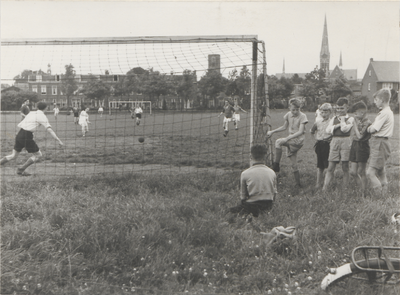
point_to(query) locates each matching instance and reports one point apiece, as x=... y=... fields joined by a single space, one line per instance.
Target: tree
x=97 y=89
x=186 y=87
x=12 y=100
x=338 y=88
x=68 y=83
x=314 y=86
x=211 y=84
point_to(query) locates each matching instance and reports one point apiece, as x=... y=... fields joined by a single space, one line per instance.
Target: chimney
x=371 y=59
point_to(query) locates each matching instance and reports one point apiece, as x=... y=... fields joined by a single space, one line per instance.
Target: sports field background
x=174 y=142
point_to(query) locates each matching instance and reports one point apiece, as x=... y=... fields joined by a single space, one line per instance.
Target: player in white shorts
x=101 y=111
x=236 y=114
x=228 y=112
x=84 y=121
x=137 y=112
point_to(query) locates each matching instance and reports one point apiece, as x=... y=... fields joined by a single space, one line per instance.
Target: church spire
x=340 y=61
x=283 y=70
x=324 y=54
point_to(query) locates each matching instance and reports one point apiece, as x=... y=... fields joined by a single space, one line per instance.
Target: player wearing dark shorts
x=75 y=110
x=24 y=138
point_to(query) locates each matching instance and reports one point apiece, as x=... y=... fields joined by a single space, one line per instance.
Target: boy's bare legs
x=363 y=177
x=293 y=159
x=329 y=174
x=354 y=173
x=346 y=175
x=375 y=182
x=383 y=179
x=320 y=178
x=6 y=159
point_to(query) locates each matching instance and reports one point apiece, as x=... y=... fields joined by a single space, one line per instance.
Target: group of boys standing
x=339 y=138
x=231 y=113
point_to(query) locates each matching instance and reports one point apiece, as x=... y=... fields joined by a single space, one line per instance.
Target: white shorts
x=227 y=120
x=236 y=117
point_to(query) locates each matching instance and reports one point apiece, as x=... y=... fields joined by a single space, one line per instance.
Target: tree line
x=314 y=88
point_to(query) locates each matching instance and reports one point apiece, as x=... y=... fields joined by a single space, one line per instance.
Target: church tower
x=340 y=61
x=325 y=55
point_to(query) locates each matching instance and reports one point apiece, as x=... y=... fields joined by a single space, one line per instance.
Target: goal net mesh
x=180 y=84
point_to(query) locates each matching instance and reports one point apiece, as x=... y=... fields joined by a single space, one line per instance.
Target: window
x=34 y=88
x=387 y=85
x=115 y=78
x=54 y=90
x=369 y=86
x=57 y=77
x=38 y=78
x=43 y=89
x=370 y=72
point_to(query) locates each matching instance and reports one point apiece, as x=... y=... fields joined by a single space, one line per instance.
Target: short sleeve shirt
x=83 y=117
x=138 y=111
x=320 y=133
x=33 y=120
x=384 y=123
x=295 y=122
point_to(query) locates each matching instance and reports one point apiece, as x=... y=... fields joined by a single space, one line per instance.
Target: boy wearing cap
x=381 y=129
x=359 y=151
x=340 y=127
x=323 y=138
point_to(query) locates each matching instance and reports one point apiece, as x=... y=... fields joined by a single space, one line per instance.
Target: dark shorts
x=138 y=116
x=76 y=115
x=359 y=151
x=321 y=148
x=25 y=140
x=254 y=208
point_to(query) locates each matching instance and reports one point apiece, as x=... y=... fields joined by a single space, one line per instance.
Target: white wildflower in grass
x=170 y=242
x=205 y=274
x=143 y=237
x=210 y=283
x=319 y=257
x=133 y=289
x=296 y=284
x=305 y=270
x=225 y=276
x=24 y=288
x=286 y=286
x=310 y=262
x=289 y=293
x=269 y=292
x=190 y=269
x=274 y=281
x=142 y=258
x=309 y=278
x=319 y=252
x=298 y=288
x=39 y=286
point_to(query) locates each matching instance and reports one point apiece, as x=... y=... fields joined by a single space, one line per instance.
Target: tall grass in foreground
x=170 y=234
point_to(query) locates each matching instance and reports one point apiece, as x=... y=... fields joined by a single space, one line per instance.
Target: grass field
x=168 y=233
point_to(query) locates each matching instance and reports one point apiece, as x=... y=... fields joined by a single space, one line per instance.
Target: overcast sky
x=291 y=30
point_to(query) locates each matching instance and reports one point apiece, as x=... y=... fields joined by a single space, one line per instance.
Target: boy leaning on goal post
x=381 y=130
x=295 y=120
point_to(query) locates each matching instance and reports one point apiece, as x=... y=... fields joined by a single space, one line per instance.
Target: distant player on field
x=56 y=111
x=236 y=114
x=101 y=111
x=75 y=110
x=84 y=121
x=24 y=138
x=228 y=112
x=137 y=114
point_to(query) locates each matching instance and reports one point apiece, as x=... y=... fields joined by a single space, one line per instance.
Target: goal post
x=173 y=77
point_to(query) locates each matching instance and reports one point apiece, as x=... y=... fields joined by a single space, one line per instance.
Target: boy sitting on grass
x=359 y=151
x=296 y=121
x=257 y=185
x=323 y=138
x=339 y=151
x=381 y=129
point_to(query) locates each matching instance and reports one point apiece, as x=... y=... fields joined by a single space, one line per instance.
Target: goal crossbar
x=129 y=40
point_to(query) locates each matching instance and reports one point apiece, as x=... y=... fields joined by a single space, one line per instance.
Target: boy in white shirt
x=84 y=121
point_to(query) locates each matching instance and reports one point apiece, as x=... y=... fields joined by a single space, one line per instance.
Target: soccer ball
x=141 y=139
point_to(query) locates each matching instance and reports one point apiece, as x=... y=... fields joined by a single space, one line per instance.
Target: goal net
x=180 y=83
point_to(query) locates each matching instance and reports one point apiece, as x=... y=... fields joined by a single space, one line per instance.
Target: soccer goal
x=183 y=81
